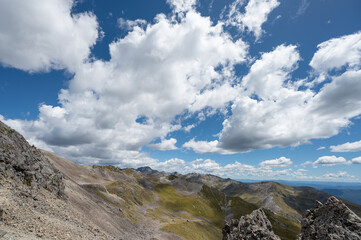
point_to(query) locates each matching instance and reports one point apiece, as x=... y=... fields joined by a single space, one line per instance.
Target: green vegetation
x=172 y=177
x=196 y=215
x=130 y=192
x=192 y=230
x=283 y=227
x=108 y=167
x=173 y=201
x=128 y=171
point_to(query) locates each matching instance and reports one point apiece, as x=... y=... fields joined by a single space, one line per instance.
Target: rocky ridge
x=26 y=164
x=332 y=220
x=250 y=227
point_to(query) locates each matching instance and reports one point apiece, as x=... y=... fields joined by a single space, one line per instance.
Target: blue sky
x=247 y=89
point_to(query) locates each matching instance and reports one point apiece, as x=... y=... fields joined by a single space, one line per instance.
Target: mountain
x=249 y=227
x=332 y=220
x=353 y=195
x=289 y=202
x=43 y=195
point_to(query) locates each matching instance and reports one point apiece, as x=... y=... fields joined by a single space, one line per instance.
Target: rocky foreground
x=250 y=227
x=330 y=221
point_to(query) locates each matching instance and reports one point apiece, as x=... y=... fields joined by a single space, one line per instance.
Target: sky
x=245 y=89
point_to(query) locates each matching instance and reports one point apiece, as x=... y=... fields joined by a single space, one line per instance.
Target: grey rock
x=331 y=221
x=250 y=227
x=26 y=164
x=2 y=233
x=146 y=170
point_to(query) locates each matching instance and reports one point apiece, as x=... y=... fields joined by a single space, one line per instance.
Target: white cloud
x=130 y=24
x=268 y=74
x=256 y=13
x=356 y=160
x=338 y=52
x=321 y=148
x=153 y=76
x=269 y=120
x=281 y=114
x=330 y=161
x=171 y=165
x=279 y=162
x=302 y=8
x=205 y=147
x=164 y=145
x=41 y=35
x=189 y=127
x=306 y=163
x=206 y=165
x=338 y=175
x=347 y=147
x=182 y=5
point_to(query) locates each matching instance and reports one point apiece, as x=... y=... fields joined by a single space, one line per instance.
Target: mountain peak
x=146 y=170
x=253 y=226
x=332 y=220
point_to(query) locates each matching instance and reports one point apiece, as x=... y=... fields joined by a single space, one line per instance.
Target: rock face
x=331 y=221
x=250 y=227
x=26 y=164
x=146 y=170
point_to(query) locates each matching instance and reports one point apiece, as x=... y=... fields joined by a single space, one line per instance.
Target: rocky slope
x=26 y=164
x=250 y=227
x=332 y=220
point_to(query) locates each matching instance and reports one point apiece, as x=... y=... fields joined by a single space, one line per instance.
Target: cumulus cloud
x=42 y=35
x=306 y=163
x=338 y=52
x=256 y=13
x=189 y=127
x=279 y=162
x=171 y=69
x=356 y=160
x=182 y=5
x=171 y=165
x=164 y=145
x=205 y=147
x=265 y=117
x=130 y=24
x=154 y=75
x=321 y=148
x=347 y=147
x=330 y=161
x=337 y=175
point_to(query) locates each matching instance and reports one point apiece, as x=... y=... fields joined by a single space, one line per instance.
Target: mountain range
x=45 y=196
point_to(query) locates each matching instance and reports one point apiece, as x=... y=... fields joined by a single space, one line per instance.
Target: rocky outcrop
x=250 y=227
x=332 y=220
x=146 y=170
x=26 y=164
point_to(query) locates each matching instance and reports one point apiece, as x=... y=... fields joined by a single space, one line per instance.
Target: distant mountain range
x=350 y=191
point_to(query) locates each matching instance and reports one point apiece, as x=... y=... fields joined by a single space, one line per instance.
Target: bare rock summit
x=331 y=221
x=250 y=227
x=26 y=164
